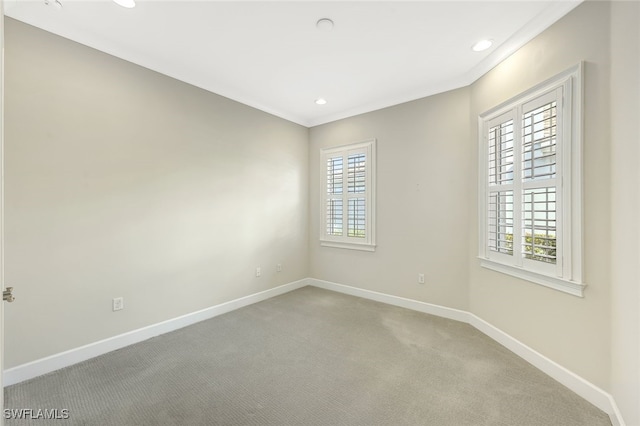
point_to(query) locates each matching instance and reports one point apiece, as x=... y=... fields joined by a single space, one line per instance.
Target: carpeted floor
x=309 y=357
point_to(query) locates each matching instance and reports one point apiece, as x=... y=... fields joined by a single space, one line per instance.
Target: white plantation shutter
x=348 y=196
x=500 y=194
x=357 y=188
x=539 y=225
x=334 y=200
x=539 y=241
x=501 y=222
x=539 y=141
x=530 y=204
x=334 y=217
x=501 y=153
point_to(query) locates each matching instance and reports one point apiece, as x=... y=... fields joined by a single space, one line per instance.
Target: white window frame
x=566 y=274
x=368 y=243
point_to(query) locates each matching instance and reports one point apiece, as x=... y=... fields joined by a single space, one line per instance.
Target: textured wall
x=123 y=182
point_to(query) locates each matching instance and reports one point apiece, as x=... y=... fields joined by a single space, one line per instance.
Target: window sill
x=349 y=246
x=566 y=286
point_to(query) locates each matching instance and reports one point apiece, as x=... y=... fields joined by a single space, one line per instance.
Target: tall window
x=348 y=191
x=530 y=197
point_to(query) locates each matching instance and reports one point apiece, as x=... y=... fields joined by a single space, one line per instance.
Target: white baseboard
x=580 y=386
x=402 y=302
x=577 y=384
x=64 y=359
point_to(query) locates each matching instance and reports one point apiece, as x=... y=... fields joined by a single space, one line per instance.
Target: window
x=530 y=185
x=348 y=191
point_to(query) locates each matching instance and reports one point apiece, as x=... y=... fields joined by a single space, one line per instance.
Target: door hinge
x=7 y=295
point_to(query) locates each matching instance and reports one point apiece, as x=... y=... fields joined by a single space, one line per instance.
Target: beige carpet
x=309 y=357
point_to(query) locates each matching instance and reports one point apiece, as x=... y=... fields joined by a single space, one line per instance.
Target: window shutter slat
x=539 y=224
x=334 y=175
x=334 y=217
x=357 y=218
x=539 y=143
x=356 y=173
x=500 y=224
x=501 y=154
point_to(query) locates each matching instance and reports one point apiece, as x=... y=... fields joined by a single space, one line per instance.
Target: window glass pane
x=501 y=222
x=357 y=217
x=334 y=175
x=539 y=224
x=501 y=154
x=334 y=217
x=356 y=174
x=539 y=143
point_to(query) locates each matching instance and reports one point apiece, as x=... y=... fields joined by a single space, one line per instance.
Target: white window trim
x=568 y=279
x=344 y=242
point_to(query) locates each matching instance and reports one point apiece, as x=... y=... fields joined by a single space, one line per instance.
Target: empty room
x=320 y=212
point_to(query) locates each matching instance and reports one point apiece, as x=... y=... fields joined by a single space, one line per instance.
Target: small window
x=530 y=185
x=348 y=191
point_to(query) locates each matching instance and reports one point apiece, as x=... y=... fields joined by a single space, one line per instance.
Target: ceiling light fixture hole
x=324 y=24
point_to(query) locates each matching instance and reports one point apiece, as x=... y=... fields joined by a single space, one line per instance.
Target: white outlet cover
x=118 y=303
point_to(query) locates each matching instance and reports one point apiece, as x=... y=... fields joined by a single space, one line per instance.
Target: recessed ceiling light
x=126 y=3
x=482 y=45
x=324 y=24
x=321 y=101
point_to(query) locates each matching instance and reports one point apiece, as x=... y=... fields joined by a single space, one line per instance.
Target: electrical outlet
x=258 y=272
x=118 y=304
x=279 y=267
x=420 y=278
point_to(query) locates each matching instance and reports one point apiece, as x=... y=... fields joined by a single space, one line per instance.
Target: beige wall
x=625 y=208
x=123 y=182
x=423 y=162
x=574 y=332
x=427 y=208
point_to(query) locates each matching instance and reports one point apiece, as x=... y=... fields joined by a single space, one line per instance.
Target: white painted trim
x=566 y=88
x=570 y=287
x=2 y=228
x=580 y=386
x=347 y=245
x=528 y=32
x=367 y=147
x=64 y=359
x=577 y=384
x=615 y=415
x=402 y=302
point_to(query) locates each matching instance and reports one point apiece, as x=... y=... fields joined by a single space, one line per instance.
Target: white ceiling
x=271 y=56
